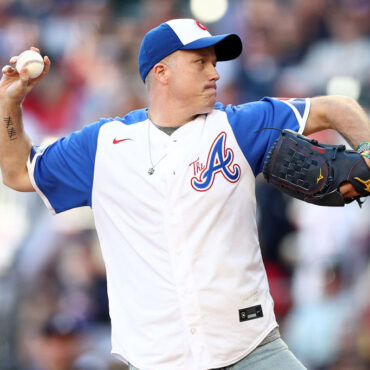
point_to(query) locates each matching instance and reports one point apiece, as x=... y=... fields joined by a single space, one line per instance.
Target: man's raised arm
x=344 y=115
x=339 y=113
x=15 y=145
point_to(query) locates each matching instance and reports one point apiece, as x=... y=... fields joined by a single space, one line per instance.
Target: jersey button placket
x=182 y=266
x=173 y=145
x=184 y=282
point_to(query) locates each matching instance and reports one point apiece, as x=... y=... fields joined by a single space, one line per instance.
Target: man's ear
x=161 y=73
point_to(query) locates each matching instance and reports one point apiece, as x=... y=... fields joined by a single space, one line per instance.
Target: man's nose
x=213 y=74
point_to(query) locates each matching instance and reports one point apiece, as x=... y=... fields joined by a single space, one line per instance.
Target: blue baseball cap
x=184 y=34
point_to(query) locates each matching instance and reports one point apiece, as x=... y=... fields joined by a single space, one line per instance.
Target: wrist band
x=364 y=145
x=367 y=155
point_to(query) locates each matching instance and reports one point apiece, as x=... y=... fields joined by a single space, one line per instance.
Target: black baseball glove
x=308 y=170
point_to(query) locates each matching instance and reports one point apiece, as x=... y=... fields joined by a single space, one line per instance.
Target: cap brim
x=227 y=46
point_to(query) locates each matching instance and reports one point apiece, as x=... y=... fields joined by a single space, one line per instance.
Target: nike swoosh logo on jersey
x=115 y=141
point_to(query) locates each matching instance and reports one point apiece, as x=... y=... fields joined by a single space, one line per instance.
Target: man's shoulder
x=267 y=103
x=135 y=116
x=231 y=109
x=92 y=130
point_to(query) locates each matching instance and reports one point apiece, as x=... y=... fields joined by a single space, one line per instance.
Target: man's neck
x=169 y=130
x=168 y=118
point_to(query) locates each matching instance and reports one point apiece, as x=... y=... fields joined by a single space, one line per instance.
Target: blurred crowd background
x=53 y=300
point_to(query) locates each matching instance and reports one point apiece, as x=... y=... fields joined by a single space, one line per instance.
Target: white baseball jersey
x=186 y=284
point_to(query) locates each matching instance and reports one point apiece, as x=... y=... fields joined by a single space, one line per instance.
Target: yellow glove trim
x=366 y=183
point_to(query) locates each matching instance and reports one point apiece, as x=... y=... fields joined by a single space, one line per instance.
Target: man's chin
x=210 y=105
x=207 y=110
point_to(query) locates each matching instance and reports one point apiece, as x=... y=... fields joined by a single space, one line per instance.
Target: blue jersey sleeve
x=63 y=172
x=251 y=122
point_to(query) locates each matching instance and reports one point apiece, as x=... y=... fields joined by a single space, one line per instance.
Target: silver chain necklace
x=151 y=169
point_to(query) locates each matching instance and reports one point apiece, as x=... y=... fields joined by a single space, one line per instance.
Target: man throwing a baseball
x=172 y=188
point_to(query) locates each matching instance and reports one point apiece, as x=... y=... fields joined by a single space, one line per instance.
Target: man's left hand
x=347 y=189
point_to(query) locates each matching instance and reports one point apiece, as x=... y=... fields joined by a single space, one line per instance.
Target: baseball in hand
x=32 y=61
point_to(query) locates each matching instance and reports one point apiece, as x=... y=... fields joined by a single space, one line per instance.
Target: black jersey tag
x=250 y=313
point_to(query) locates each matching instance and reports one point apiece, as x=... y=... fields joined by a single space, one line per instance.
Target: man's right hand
x=15 y=86
x=15 y=145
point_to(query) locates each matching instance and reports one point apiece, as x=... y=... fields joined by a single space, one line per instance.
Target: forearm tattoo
x=12 y=134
